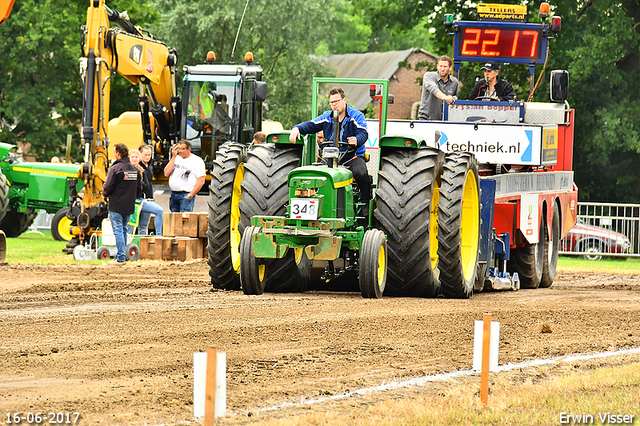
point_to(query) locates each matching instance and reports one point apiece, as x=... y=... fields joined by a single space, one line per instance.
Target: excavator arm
x=134 y=54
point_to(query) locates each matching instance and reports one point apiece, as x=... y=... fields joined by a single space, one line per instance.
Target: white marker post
x=209 y=385
x=486 y=345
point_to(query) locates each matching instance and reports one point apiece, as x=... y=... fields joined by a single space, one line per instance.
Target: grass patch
x=609 y=264
x=536 y=396
x=37 y=249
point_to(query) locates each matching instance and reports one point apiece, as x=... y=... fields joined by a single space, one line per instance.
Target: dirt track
x=116 y=343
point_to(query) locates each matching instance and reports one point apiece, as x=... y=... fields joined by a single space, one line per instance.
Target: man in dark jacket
x=122 y=187
x=353 y=129
x=492 y=87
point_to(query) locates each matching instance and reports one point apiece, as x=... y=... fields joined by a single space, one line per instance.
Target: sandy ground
x=116 y=343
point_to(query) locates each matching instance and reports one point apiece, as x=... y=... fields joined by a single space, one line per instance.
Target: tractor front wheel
x=61 y=225
x=15 y=223
x=4 y=195
x=253 y=271
x=373 y=264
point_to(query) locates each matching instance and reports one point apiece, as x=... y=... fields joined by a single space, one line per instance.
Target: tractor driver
x=353 y=129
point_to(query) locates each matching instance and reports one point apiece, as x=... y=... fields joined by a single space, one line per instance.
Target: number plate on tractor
x=304 y=208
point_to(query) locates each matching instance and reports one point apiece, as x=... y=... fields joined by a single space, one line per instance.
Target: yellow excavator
x=112 y=45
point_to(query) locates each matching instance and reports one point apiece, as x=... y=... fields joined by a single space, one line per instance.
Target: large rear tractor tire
x=373 y=264
x=224 y=228
x=551 y=251
x=14 y=224
x=528 y=261
x=265 y=193
x=459 y=225
x=292 y=273
x=4 y=195
x=61 y=225
x=406 y=211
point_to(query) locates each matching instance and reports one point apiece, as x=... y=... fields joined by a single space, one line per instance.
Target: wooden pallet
x=185 y=225
x=171 y=248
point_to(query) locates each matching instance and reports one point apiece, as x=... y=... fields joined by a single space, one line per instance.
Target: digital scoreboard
x=513 y=42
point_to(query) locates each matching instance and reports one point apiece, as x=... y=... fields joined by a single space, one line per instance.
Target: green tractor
x=27 y=187
x=416 y=215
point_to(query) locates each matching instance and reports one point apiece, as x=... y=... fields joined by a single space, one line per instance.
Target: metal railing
x=41 y=223
x=604 y=229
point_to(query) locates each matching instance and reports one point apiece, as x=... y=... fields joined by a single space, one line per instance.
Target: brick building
x=403 y=83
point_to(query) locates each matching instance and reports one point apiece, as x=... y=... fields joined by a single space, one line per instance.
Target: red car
x=593 y=241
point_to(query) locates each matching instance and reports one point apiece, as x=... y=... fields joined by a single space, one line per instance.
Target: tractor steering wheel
x=347 y=153
x=485 y=98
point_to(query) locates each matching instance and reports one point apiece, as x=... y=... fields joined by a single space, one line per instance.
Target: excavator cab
x=221 y=103
x=210 y=108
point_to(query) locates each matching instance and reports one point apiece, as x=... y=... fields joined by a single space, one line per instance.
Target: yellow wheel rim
x=382 y=266
x=470 y=225
x=64 y=228
x=298 y=252
x=234 y=226
x=433 y=225
x=261 y=272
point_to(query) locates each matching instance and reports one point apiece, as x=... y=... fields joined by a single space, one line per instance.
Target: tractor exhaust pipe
x=336 y=133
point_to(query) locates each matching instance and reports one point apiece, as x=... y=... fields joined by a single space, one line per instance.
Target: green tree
x=600 y=42
x=40 y=87
x=599 y=45
x=38 y=105
x=281 y=35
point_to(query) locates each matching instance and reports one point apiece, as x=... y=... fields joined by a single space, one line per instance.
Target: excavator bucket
x=3 y=247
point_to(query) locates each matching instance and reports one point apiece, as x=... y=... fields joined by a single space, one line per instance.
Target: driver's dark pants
x=361 y=175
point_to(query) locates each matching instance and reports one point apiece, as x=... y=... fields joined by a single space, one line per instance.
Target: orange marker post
x=484 y=372
x=210 y=387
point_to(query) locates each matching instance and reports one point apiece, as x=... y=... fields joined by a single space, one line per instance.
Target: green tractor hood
x=36 y=185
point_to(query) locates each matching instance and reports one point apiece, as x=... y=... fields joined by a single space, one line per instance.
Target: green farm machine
x=477 y=201
x=27 y=187
x=324 y=235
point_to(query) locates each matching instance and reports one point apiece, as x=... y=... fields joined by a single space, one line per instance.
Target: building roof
x=379 y=65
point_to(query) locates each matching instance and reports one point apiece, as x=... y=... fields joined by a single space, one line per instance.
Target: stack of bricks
x=184 y=237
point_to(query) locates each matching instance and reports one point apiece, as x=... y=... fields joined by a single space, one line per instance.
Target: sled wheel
x=133 y=252
x=551 y=251
x=528 y=261
x=103 y=253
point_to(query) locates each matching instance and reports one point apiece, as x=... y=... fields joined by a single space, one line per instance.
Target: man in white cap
x=492 y=88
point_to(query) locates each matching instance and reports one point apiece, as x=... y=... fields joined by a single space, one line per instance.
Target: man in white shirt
x=186 y=173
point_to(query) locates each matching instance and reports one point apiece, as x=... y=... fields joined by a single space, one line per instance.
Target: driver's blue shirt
x=354 y=124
